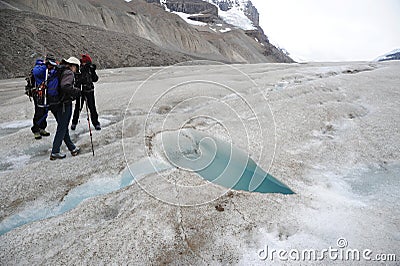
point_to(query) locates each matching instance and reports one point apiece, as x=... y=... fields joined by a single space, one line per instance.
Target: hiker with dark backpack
x=86 y=78
x=38 y=82
x=63 y=110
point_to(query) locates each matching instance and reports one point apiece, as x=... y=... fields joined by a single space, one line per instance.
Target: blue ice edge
x=218 y=162
x=213 y=159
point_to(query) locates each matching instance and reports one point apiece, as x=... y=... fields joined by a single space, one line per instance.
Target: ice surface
x=376 y=184
x=16 y=124
x=14 y=162
x=40 y=211
x=337 y=146
x=36 y=211
x=143 y=167
x=13 y=126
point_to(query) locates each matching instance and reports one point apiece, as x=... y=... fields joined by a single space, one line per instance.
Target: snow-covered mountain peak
x=392 y=55
x=239 y=13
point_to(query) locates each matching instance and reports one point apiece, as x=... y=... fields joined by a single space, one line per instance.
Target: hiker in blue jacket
x=40 y=115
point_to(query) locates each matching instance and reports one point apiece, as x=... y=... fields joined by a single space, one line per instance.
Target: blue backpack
x=46 y=89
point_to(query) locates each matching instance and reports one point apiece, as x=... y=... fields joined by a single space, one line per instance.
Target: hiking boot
x=73 y=126
x=44 y=133
x=75 y=151
x=37 y=135
x=97 y=127
x=55 y=156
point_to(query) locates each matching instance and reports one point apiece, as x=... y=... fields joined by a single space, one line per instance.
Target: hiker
x=39 y=77
x=63 y=111
x=86 y=78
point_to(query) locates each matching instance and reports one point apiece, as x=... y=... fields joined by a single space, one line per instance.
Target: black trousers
x=39 y=118
x=79 y=104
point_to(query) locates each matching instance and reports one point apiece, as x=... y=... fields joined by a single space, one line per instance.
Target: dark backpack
x=30 y=87
x=87 y=76
x=30 y=84
x=70 y=94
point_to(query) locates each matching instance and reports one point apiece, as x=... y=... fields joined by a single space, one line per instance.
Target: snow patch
x=225 y=30
x=235 y=16
x=164 y=4
x=185 y=17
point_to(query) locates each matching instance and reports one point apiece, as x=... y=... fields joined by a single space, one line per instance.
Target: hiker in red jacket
x=86 y=78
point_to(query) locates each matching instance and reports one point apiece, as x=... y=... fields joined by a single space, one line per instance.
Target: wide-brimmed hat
x=72 y=61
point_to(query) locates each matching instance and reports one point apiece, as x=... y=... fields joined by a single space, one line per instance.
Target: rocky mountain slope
x=120 y=33
x=23 y=39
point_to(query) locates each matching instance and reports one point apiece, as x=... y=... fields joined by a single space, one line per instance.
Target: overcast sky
x=336 y=30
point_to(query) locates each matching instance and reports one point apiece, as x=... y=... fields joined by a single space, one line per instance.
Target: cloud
x=332 y=31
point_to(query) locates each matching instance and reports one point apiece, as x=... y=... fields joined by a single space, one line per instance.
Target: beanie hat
x=86 y=58
x=51 y=61
x=39 y=62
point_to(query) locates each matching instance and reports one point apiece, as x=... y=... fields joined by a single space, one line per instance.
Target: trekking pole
x=45 y=87
x=45 y=82
x=88 y=119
